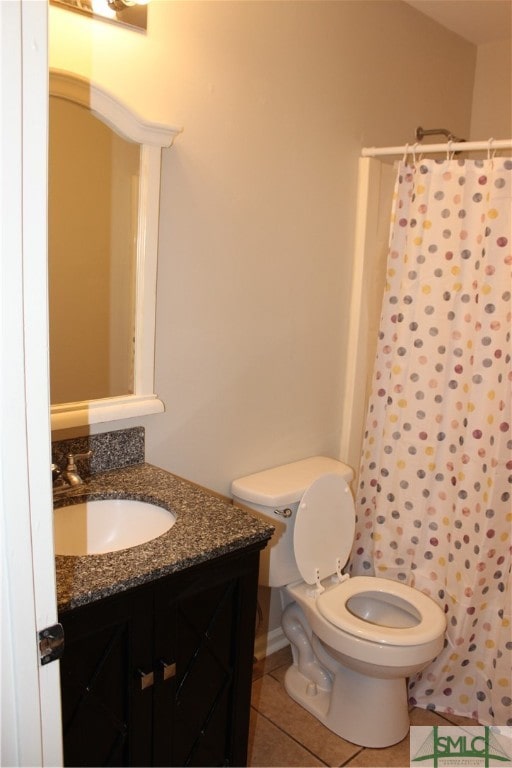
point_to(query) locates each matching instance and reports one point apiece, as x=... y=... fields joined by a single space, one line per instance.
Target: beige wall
x=258 y=201
x=491 y=116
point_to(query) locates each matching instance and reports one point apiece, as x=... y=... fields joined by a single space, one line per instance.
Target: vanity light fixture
x=128 y=13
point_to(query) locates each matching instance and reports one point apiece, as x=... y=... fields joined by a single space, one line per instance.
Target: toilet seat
x=398 y=599
x=324 y=528
x=368 y=607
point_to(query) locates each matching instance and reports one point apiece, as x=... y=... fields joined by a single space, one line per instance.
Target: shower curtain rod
x=449 y=146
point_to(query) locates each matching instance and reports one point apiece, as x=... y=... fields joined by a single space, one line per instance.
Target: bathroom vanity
x=157 y=664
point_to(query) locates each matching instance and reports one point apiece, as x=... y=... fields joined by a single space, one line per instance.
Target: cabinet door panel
x=201 y=619
x=205 y=663
x=99 y=689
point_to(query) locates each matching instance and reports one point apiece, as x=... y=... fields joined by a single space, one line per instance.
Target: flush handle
x=283 y=512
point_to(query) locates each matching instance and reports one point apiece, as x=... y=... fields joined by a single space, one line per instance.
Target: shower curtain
x=433 y=501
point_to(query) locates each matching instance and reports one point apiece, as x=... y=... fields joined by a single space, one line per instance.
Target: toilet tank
x=274 y=495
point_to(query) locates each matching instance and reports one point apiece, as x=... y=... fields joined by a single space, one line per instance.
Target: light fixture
x=129 y=13
x=121 y=5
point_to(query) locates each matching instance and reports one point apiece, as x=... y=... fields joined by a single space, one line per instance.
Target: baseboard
x=264 y=645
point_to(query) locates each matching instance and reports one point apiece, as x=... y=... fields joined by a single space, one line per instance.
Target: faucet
x=64 y=480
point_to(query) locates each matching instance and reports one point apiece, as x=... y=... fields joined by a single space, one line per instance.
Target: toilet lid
x=324 y=527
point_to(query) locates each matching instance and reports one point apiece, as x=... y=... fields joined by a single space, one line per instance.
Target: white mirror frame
x=152 y=137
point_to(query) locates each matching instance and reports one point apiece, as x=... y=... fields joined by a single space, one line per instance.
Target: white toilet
x=354 y=640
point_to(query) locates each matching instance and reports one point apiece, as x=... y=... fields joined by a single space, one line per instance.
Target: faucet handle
x=72 y=457
x=58 y=480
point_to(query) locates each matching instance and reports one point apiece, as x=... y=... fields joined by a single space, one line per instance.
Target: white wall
x=258 y=201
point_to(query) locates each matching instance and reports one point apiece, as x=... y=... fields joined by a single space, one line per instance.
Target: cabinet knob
x=168 y=670
x=146 y=679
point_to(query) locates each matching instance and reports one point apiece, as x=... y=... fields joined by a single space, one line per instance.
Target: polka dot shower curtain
x=433 y=502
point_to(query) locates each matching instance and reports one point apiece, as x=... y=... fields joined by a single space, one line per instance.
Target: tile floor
x=283 y=734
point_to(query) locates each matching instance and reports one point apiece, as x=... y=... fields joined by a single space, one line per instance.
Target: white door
x=31 y=719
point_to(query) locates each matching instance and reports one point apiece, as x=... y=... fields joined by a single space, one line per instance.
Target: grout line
x=273 y=676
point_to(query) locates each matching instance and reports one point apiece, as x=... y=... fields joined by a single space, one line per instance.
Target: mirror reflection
x=93 y=205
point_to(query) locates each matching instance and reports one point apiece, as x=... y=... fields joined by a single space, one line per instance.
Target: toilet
x=354 y=640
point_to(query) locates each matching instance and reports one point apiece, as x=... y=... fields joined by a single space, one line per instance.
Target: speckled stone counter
x=206 y=527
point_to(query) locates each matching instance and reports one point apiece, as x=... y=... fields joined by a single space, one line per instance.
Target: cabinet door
x=204 y=624
x=106 y=711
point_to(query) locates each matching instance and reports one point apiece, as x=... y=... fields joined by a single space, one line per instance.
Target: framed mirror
x=104 y=190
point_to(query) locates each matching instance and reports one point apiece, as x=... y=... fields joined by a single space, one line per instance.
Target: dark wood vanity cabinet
x=161 y=674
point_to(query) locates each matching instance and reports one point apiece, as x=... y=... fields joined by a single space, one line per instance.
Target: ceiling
x=479 y=21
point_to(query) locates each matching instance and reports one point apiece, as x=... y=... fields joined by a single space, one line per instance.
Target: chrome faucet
x=64 y=480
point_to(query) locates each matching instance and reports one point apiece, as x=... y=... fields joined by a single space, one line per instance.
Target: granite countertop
x=206 y=527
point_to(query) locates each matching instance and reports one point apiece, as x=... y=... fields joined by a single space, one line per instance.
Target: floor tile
x=425 y=717
x=285 y=734
x=397 y=755
x=269 y=747
x=457 y=719
x=272 y=701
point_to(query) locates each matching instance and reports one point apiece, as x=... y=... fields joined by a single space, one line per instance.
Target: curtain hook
x=449 y=152
x=415 y=147
x=490 y=149
x=406 y=152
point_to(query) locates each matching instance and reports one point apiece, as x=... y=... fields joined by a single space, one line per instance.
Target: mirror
x=92 y=222
x=104 y=188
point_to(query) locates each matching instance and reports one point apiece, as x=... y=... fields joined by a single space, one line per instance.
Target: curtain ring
x=406 y=152
x=415 y=147
x=449 y=152
x=490 y=149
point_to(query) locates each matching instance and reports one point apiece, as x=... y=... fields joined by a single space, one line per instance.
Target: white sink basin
x=107 y=525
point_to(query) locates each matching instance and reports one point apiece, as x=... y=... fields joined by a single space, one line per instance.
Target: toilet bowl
x=354 y=640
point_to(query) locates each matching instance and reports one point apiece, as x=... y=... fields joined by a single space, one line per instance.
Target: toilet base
x=367 y=711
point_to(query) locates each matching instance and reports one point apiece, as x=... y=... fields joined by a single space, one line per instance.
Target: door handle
x=168 y=669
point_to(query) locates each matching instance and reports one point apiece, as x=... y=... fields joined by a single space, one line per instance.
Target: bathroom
x=258 y=200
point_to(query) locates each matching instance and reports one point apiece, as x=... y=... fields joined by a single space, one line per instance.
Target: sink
x=108 y=525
